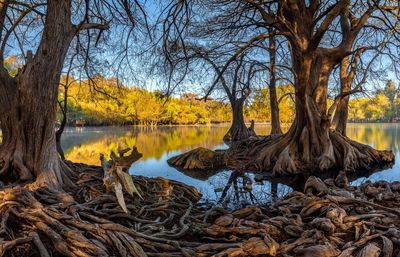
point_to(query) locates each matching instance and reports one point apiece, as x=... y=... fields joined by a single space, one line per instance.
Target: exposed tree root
x=16 y=169
x=89 y=222
x=285 y=155
x=12 y=160
x=326 y=220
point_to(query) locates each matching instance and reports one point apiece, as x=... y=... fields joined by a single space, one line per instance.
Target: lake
x=159 y=144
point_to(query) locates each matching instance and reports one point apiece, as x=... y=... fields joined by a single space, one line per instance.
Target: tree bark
x=28 y=101
x=347 y=72
x=308 y=137
x=275 y=121
x=238 y=130
x=339 y=122
x=60 y=130
x=341 y=115
x=310 y=145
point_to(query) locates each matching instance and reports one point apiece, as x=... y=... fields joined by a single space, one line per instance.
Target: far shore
x=222 y=124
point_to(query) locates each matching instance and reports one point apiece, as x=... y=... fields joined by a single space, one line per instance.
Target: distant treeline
x=107 y=103
x=382 y=106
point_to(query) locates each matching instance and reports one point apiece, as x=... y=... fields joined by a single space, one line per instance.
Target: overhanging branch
x=99 y=26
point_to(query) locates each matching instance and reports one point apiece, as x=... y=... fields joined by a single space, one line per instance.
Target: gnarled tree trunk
x=275 y=121
x=347 y=73
x=238 y=130
x=310 y=144
x=339 y=122
x=28 y=103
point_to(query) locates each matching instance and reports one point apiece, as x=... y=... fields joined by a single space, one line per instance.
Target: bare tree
x=349 y=67
x=273 y=98
x=28 y=100
x=320 y=34
x=236 y=84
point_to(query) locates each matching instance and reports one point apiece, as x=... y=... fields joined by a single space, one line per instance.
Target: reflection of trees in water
x=381 y=136
x=86 y=144
x=152 y=142
x=241 y=189
x=245 y=187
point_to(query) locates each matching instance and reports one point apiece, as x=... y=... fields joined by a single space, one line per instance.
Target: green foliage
x=377 y=108
x=108 y=103
x=260 y=110
x=383 y=106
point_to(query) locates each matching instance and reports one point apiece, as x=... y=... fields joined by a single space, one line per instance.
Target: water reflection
x=85 y=144
x=243 y=192
x=159 y=144
x=380 y=136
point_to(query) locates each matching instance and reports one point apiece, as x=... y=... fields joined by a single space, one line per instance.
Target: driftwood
x=116 y=176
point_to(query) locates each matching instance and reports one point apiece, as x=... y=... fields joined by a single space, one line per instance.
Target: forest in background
x=105 y=101
x=109 y=103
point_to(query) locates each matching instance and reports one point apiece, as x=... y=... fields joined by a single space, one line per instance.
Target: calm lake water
x=159 y=144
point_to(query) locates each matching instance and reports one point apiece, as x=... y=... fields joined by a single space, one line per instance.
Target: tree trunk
x=28 y=102
x=339 y=121
x=308 y=139
x=238 y=130
x=309 y=145
x=60 y=130
x=275 y=122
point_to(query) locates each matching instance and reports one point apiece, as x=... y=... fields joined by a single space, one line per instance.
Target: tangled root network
x=330 y=218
